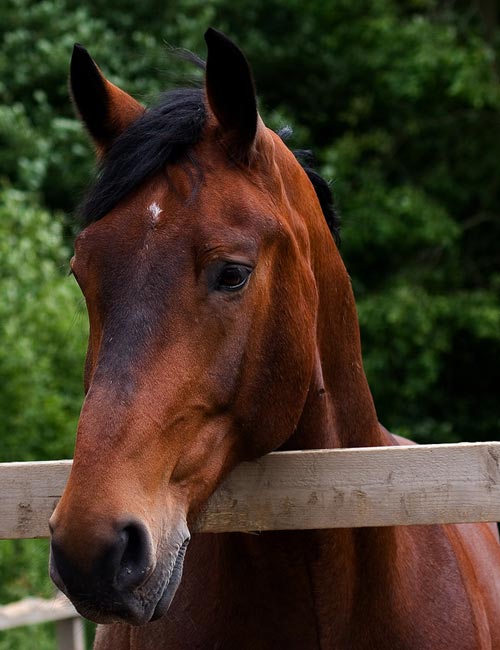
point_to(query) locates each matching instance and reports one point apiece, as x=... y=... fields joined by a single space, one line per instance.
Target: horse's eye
x=233 y=277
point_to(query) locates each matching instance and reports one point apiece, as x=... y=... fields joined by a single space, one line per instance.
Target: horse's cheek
x=289 y=360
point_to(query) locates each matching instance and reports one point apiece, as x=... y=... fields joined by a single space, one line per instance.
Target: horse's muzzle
x=127 y=581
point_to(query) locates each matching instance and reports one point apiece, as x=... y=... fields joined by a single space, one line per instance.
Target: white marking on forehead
x=155 y=211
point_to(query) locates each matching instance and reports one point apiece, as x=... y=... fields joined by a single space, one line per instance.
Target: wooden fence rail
x=378 y=486
x=30 y=611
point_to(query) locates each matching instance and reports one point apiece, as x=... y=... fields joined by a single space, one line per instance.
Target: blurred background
x=400 y=102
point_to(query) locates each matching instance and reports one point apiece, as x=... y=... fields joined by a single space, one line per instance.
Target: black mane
x=161 y=136
x=323 y=192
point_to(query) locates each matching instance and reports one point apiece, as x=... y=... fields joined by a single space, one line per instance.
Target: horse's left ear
x=105 y=109
x=231 y=93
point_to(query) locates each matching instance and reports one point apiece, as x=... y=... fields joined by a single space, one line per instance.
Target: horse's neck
x=339 y=412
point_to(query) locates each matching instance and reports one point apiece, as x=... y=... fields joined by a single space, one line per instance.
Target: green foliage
x=24 y=569
x=419 y=340
x=46 y=149
x=42 y=340
x=42 y=330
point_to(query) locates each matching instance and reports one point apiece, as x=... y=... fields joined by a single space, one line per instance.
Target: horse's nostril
x=131 y=558
x=123 y=561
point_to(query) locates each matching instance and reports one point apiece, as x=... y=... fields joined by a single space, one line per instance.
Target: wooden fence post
x=69 y=634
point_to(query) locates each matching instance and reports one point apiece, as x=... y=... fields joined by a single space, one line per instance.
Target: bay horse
x=223 y=326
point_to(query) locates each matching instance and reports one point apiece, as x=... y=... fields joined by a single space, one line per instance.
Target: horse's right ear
x=231 y=93
x=105 y=110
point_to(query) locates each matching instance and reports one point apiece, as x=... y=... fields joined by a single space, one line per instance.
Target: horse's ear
x=105 y=110
x=231 y=92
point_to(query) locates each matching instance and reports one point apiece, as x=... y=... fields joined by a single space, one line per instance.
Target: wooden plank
x=29 y=492
x=360 y=487
x=377 y=486
x=31 y=611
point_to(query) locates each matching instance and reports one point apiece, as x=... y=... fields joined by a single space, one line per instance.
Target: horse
x=222 y=327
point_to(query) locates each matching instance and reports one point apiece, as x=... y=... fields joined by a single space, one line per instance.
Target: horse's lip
x=171 y=584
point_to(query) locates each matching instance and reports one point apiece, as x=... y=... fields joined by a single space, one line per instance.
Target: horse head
x=202 y=266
